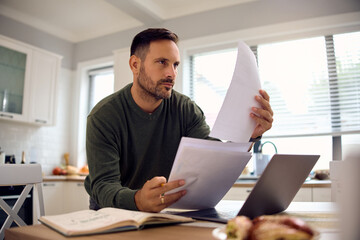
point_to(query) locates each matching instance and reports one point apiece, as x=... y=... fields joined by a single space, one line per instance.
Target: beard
x=153 y=89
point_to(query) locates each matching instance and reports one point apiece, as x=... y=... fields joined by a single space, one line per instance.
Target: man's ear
x=135 y=63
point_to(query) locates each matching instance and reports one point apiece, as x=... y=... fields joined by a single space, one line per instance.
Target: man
x=133 y=134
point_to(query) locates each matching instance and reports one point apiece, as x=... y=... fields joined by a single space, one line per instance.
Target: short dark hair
x=141 y=42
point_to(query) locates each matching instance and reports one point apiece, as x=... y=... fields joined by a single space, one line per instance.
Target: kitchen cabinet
x=15 y=67
x=44 y=73
x=53 y=193
x=321 y=194
x=303 y=195
x=307 y=193
x=28 y=79
x=237 y=193
x=64 y=196
x=241 y=193
x=75 y=198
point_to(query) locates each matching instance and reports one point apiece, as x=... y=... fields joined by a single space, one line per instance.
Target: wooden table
x=320 y=215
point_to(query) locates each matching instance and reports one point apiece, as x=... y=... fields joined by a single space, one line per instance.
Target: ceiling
x=80 y=20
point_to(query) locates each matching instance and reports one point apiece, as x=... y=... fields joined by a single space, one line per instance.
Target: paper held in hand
x=106 y=220
x=233 y=122
x=209 y=169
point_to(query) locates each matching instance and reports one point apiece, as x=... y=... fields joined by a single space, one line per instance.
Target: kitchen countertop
x=307 y=183
x=56 y=178
x=238 y=183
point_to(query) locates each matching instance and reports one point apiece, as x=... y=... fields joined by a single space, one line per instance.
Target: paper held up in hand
x=209 y=169
x=233 y=122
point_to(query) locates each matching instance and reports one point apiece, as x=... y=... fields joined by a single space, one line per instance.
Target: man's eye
x=162 y=62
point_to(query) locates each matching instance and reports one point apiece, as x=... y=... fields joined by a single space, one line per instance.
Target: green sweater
x=126 y=146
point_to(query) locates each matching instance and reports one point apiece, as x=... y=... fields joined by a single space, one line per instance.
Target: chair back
x=29 y=175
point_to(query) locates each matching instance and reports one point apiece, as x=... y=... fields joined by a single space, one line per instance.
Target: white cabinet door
x=75 y=197
x=44 y=73
x=28 y=82
x=303 y=195
x=15 y=64
x=241 y=193
x=53 y=197
x=237 y=193
x=321 y=194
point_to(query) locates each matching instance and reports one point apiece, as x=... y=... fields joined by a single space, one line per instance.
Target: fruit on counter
x=56 y=171
x=59 y=171
x=84 y=170
x=72 y=170
x=322 y=174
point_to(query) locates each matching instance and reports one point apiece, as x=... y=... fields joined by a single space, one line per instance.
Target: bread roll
x=274 y=227
x=267 y=230
x=238 y=228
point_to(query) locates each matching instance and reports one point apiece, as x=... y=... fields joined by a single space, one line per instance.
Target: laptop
x=273 y=192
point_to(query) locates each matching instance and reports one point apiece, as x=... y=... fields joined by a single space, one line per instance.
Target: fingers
x=263 y=116
x=264 y=94
x=264 y=101
x=155 y=182
x=169 y=199
x=171 y=185
x=173 y=197
x=262 y=125
x=151 y=197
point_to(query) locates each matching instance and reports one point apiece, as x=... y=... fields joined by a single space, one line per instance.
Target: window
x=209 y=85
x=314 y=86
x=101 y=84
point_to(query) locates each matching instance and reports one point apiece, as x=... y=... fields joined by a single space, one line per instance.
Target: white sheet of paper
x=209 y=169
x=233 y=122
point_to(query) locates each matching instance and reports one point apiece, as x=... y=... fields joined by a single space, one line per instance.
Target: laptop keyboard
x=208 y=214
x=223 y=215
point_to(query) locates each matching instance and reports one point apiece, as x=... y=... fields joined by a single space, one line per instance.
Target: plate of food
x=219 y=233
x=266 y=227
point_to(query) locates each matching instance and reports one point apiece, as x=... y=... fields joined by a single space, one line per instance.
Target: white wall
x=45 y=145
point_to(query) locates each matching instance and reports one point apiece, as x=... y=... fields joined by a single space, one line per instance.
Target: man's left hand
x=263 y=116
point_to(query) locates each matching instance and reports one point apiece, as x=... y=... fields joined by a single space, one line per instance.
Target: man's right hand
x=151 y=197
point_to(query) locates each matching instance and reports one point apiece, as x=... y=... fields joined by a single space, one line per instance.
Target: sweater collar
x=138 y=110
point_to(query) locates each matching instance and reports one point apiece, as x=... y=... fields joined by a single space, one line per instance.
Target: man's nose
x=171 y=72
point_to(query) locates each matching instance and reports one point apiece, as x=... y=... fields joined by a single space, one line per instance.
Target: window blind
x=211 y=74
x=346 y=91
x=314 y=84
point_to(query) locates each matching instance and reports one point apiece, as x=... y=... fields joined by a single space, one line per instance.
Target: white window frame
x=321 y=26
x=80 y=111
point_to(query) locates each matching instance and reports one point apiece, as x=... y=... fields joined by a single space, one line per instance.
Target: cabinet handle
x=40 y=121
x=248 y=190
x=49 y=184
x=6 y=115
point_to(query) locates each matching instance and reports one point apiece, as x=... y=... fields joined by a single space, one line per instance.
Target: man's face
x=159 y=69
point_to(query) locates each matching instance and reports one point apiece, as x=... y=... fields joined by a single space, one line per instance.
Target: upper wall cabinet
x=28 y=79
x=15 y=65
